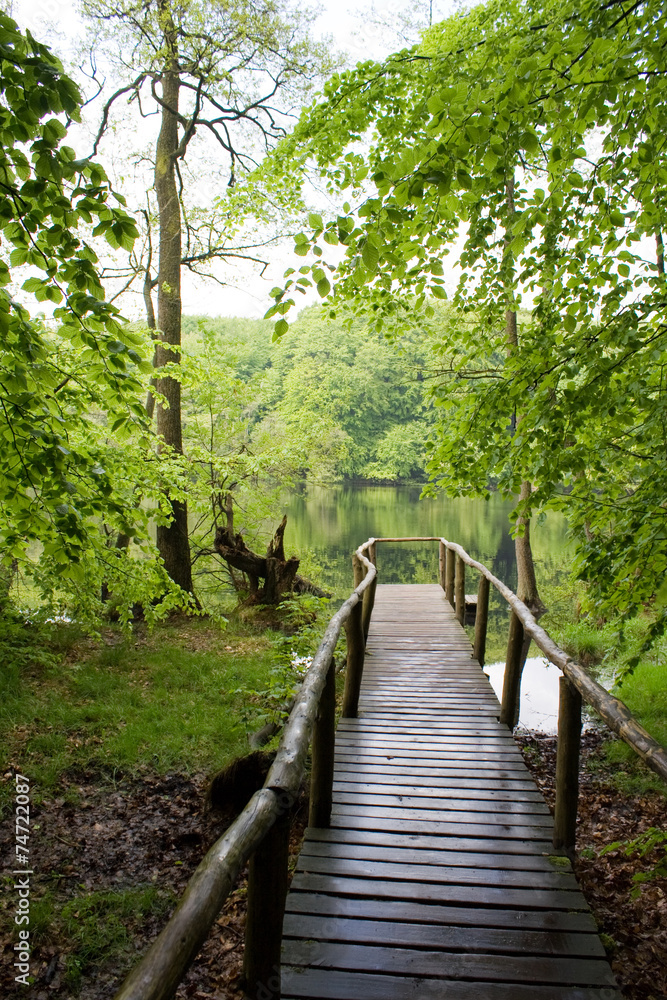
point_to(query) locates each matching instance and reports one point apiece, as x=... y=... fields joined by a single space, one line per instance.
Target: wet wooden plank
x=445 y=914
x=571 y=970
x=434 y=872
x=465 y=895
x=437 y=876
x=319 y=984
x=409 y=843
x=441 y=936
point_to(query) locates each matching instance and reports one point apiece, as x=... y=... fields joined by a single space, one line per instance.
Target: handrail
x=612 y=710
x=259 y=832
x=158 y=974
x=575 y=684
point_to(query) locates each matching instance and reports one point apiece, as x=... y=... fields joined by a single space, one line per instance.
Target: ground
x=632 y=918
x=139 y=841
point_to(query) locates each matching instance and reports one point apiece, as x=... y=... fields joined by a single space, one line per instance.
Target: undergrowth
x=164 y=701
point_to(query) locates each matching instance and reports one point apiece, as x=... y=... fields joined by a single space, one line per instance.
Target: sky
x=352 y=24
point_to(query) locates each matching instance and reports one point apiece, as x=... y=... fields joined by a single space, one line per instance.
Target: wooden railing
x=260 y=834
x=576 y=685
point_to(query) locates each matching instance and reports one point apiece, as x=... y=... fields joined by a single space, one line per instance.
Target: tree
x=219 y=69
x=68 y=381
x=530 y=132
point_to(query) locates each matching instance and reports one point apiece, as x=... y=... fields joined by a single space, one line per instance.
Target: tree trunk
x=527 y=582
x=172 y=539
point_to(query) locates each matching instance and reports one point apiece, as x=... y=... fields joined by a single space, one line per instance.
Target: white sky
x=56 y=23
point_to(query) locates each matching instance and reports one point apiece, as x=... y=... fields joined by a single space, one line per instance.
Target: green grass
x=98 y=926
x=168 y=701
x=645 y=694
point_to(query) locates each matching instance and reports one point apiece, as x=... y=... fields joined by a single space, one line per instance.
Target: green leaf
x=370 y=256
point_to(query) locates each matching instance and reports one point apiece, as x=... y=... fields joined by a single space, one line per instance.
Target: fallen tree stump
x=279 y=574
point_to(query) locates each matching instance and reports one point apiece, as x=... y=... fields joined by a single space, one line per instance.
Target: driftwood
x=279 y=573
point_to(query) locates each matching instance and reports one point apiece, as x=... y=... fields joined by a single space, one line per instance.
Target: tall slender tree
x=230 y=71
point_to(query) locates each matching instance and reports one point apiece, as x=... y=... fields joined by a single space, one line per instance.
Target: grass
x=645 y=694
x=168 y=701
x=182 y=699
x=96 y=928
x=99 y=925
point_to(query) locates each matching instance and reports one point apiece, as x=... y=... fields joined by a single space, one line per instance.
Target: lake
x=326 y=525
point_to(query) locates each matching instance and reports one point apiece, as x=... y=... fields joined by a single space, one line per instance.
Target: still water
x=325 y=526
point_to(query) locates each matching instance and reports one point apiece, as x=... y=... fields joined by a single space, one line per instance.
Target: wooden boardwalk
x=437 y=877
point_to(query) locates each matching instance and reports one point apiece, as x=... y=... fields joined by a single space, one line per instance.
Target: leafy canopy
x=526 y=137
x=73 y=433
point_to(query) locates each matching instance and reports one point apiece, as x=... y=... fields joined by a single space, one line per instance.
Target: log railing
x=576 y=685
x=260 y=834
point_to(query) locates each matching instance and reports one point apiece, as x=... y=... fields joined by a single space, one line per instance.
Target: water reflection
x=539 y=692
x=327 y=525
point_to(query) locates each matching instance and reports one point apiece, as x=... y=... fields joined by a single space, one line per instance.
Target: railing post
x=450 y=571
x=358 y=569
x=567 y=767
x=322 y=770
x=442 y=563
x=354 y=632
x=368 y=605
x=267 y=891
x=509 y=709
x=460 y=590
x=481 y=620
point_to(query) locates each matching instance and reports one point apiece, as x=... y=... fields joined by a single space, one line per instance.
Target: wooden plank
x=444 y=855
x=526 y=849
x=541 y=969
x=343 y=817
x=437 y=793
x=486 y=757
x=457 y=811
x=468 y=895
x=444 y=937
x=413 y=911
x=433 y=796
x=395 y=778
x=399 y=741
x=439 y=873
x=499 y=774
x=330 y=984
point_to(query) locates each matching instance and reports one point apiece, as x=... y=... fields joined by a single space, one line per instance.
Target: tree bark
x=172 y=539
x=527 y=581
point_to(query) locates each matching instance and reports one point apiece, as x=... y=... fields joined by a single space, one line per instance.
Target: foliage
x=531 y=133
x=341 y=401
x=304 y=619
x=73 y=435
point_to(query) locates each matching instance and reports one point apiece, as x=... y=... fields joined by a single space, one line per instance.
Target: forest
x=466 y=243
